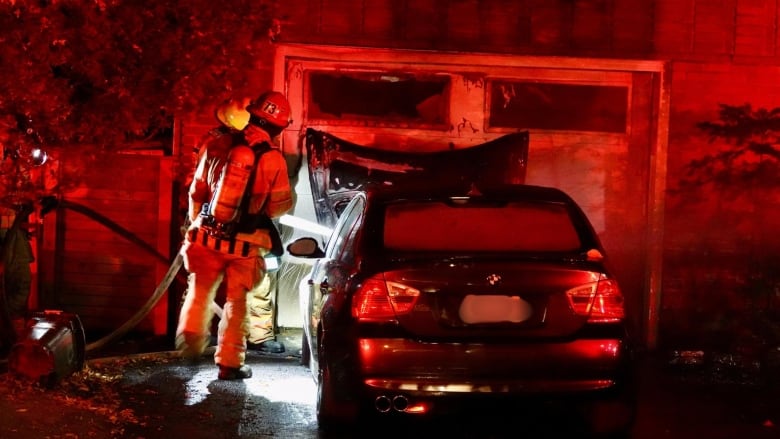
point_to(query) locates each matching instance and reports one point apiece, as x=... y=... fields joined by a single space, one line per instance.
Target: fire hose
x=172 y=272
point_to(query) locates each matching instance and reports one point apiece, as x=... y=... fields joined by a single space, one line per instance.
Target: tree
x=103 y=72
x=752 y=154
x=740 y=180
x=98 y=74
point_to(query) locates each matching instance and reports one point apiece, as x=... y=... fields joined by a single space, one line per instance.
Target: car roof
x=508 y=191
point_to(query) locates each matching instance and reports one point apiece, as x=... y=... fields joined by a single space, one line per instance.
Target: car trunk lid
x=492 y=299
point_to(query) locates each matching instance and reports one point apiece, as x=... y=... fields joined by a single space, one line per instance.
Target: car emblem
x=494 y=279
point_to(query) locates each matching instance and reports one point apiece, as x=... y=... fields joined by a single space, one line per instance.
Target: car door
x=326 y=293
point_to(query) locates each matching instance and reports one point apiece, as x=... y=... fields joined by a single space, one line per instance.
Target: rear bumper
x=511 y=369
x=439 y=388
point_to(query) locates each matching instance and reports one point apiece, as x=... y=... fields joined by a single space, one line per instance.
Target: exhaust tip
x=400 y=403
x=382 y=404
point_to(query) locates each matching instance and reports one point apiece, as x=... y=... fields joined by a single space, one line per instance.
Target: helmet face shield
x=257 y=121
x=265 y=125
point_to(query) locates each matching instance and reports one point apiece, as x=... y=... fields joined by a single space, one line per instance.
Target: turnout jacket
x=270 y=194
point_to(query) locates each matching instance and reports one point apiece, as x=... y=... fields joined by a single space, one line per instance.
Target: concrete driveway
x=159 y=396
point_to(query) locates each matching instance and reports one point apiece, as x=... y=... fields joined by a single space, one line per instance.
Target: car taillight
x=380 y=300
x=601 y=301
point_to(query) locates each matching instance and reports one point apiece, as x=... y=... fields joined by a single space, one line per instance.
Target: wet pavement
x=158 y=395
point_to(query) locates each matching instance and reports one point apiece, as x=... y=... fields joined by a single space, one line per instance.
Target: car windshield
x=470 y=227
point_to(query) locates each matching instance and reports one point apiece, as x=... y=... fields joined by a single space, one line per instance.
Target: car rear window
x=516 y=226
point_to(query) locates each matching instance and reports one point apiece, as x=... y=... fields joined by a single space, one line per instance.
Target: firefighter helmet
x=271 y=107
x=232 y=113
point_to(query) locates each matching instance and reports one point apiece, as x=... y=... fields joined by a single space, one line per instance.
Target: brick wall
x=554 y=27
x=710 y=30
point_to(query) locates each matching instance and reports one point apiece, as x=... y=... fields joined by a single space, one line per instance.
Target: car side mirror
x=305 y=248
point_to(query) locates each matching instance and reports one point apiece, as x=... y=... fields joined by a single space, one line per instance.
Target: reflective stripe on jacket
x=235 y=246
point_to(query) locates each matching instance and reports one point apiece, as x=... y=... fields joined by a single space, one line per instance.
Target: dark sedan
x=426 y=303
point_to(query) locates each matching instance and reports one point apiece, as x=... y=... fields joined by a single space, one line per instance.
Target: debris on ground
x=84 y=405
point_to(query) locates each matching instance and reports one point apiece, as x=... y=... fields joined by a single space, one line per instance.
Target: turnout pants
x=208 y=268
x=262 y=310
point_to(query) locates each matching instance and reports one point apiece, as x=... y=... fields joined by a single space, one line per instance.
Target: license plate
x=494 y=309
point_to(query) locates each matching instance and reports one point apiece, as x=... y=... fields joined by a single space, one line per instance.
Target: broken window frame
x=615 y=115
x=352 y=95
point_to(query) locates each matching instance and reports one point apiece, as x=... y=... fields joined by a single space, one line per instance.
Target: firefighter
x=237 y=189
x=233 y=117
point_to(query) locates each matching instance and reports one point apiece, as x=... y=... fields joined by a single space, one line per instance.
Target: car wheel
x=332 y=414
x=305 y=351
